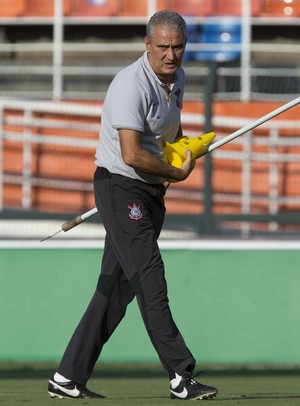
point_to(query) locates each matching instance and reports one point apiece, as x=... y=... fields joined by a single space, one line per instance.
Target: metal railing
x=269 y=148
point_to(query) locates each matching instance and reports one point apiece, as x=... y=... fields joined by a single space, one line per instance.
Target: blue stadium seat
x=224 y=33
x=193 y=31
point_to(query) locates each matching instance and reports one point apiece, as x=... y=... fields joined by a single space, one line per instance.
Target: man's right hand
x=187 y=165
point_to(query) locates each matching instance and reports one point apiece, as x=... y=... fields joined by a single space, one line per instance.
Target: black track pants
x=133 y=214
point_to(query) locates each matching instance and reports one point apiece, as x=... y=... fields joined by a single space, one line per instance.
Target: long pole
x=67 y=225
x=254 y=124
x=79 y=219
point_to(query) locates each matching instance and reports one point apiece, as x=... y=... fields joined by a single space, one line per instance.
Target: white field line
x=164 y=244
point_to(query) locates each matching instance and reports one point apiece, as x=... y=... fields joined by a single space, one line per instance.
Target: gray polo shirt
x=138 y=100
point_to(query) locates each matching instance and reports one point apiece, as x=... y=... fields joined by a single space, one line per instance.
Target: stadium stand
x=222 y=34
x=133 y=8
x=44 y=8
x=48 y=159
x=281 y=8
x=48 y=156
x=192 y=8
x=95 y=8
x=234 y=7
x=12 y=8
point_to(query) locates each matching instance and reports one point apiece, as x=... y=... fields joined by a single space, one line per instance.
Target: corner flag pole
x=254 y=124
x=81 y=218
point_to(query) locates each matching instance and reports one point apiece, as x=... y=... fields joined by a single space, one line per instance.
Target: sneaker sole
x=65 y=396
x=206 y=396
x=200 y=397
x=56 y=395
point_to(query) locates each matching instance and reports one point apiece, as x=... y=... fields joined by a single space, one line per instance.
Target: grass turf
x=26 y=386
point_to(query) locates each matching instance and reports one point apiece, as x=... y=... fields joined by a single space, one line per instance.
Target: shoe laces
x=192 y=380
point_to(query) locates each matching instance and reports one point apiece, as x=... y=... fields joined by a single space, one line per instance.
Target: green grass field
x=135 y=385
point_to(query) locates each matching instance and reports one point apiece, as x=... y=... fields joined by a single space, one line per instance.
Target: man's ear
x=147 y=43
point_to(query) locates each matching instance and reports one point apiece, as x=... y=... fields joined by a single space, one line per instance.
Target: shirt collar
x=153 y=74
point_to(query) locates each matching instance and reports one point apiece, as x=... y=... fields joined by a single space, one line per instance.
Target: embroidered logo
x=135 y=212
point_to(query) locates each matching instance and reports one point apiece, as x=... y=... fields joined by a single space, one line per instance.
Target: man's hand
x=137 y=157
x=187 y=165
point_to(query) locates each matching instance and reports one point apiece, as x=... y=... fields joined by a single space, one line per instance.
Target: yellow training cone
x=175 y=152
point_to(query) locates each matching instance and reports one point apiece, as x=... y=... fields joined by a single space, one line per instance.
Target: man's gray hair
x=166 y=18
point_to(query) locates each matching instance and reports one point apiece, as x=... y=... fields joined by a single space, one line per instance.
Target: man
x=141 y=111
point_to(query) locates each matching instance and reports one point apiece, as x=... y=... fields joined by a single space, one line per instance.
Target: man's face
x=165 y=52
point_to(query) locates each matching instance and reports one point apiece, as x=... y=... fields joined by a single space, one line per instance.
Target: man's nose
x=170 y=53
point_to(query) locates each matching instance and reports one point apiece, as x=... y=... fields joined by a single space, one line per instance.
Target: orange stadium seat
x=281 y=8
x=12 y=8
x=234 y=7
x=192 y=7
x=49 y=200
x=139 y=8
x=45 y=8
x=12 y=195
x=95 y=7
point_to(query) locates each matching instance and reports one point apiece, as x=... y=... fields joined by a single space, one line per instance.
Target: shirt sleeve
x=128 y=104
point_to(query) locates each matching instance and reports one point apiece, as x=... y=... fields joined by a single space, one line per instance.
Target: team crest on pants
x=135 y=212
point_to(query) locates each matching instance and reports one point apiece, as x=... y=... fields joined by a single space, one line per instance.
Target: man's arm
x=136 y=156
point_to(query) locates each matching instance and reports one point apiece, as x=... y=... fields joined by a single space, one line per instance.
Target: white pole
x=89 y=213
x=246 y=50
x=79 y=219
x=57 y=49
x=254 y=124
x=152 y=8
